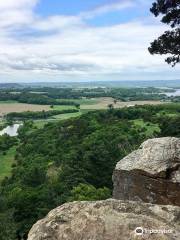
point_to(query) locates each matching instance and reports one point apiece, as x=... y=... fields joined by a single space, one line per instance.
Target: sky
x=80 y=40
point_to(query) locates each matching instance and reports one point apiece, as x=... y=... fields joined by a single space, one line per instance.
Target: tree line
x=37 y=115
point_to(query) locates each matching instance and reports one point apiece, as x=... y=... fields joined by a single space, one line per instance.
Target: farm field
x=95 y=103
x=85 y=106
x=6 y=162
x=8 y=107
x=20 y=107
x=102 y=103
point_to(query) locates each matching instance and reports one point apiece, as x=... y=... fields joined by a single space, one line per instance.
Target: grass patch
x=41 y=123
x=62 y=107
x=151 y=128
x=67 y=116
x=6 y=162
x=168 y=114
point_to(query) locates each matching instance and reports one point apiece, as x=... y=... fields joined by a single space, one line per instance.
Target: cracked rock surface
x=151 y=173
x=108 y=220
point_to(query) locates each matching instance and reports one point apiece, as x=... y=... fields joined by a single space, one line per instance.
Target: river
x=173 y=94
x=12 y=131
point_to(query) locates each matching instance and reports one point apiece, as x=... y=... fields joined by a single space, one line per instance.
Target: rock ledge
x=108 y=220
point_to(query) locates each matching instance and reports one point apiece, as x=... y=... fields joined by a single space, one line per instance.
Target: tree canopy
x=169 y=42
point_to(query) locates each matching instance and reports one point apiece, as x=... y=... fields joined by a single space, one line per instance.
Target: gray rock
x=151 y=173
x=108 y=220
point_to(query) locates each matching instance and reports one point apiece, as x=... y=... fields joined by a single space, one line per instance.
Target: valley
x=69 y=142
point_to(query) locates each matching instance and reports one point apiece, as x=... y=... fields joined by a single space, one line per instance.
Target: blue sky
x=78 y=40
x=74 y=7
x=70 y=7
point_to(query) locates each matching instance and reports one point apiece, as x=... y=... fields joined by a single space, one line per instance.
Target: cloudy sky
x=75 y=40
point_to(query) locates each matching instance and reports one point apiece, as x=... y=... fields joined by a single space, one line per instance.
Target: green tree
x=87 y=192
x=169 y=42
x=7 y=224
x=10 y=122
x=110 y=107
x=115 y=101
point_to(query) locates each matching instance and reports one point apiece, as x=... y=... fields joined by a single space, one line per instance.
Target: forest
x=73 y=160
x=32 y=98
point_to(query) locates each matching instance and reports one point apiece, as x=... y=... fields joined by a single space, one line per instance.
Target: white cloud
x=65 y=47
x=16 y=13
x=108 y=7
x=57 y=23
x=18 y=4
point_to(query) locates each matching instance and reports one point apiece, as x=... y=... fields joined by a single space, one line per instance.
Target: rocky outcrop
x=109 y=220
x=151 y=173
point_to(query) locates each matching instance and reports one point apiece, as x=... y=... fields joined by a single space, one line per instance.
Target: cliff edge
x=146 y=204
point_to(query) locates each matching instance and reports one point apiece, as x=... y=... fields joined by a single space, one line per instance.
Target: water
x=173 y=94
x=12 y=131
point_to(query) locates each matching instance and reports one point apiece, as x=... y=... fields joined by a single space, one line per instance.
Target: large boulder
x=151 y=173
x=109 y=220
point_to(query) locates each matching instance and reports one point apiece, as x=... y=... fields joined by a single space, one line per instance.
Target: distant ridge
x=10 y=85
x=93 y=84
x=138 y=83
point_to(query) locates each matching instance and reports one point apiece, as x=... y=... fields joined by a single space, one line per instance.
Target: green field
x=67 y=115
x=83 y=101
x=62 y=107
x=41 y=123
x=6 y=162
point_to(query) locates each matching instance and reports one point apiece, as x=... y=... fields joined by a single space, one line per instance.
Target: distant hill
x=94 y=84
x=10 y=85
